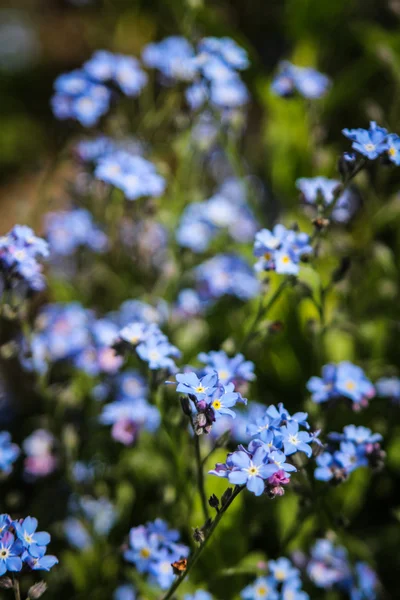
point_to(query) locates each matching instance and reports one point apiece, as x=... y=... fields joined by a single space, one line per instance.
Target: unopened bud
x=6 y=583
x=185 y=404
x=37 y=590
x=213 y=501
x=226 y=496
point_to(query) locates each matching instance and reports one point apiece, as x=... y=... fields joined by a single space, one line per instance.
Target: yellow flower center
x=392 y=151
x=200 y=389
x=28 y=538
x=280 y=575
x=267 y=255
x=369 y=147
x=253 y=470
x=3 y=553
x=285 y=259
x=145 y=553
x=350 y=385
x=262 y=591
x=216 y=404
x=223 y=374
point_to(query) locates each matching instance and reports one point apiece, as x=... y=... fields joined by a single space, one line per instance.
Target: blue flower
x=198 y=595
x=342 y=380
x=226 y=49
x=134 y=175
x=328 y=565
x=308 y=82
x=125 y=591
x=325 y=467
x=20 y=250
x=251 y=470
x=226 y=274
x=157 y=352
x=263 y=588
x=265 y=428
x=291 y=590
x=278 y=458
x=42 y=562
x=316 y=189
x=295 y=440
x=5 y=522
x=8 y=454
x=282 y=570
x=143 y=548
x=221 y=403
x=393 y=151
x=68 y=230
x=282 y=414
x=236 y=369
x=76 y=533
x=280 y=250
x=389 y=387
x=32 y=540
x=189 y=383
x=10 y=551
x=370 y=142
x=173 y=57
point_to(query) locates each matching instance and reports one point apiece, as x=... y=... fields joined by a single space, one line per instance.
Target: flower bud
x=37 y=590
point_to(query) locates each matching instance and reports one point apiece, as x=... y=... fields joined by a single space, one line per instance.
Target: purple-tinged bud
x=37 y=590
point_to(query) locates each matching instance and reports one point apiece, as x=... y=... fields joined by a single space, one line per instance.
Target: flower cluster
x=20 y=250
x=9 y=453
x=213 y=69
x=308 y=82
x=329 y=567
x=389 y=387
x=40 y=458
x=343 y=380
x=21 y=544
x=236 y=370
x=263 y=466
x=130 y=413
x=280 y=250
x=150 y=344
x=66 y=231
x=153 y=548
x=210 y=398
x=227 y=209
x=375 y=142
x=225 y=274
x=71 y=332
x=83 y=94
x=282 y=583
x=354 y=448
x=320 y=191
x=90 y=517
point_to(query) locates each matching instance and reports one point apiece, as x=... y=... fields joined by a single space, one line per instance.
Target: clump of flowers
x=40 y=458
x=9 y=453
x=354 y=448
x=308 y=82
x=225 y=274
x=263 y=466
x=21 y=546
x=130 y=413
x=210 y=398
x=281 y=250
x=153 y=548
x=150 y=344
x=20 y=268
x=85 y=94
x=374 y=142
x=212 y=69
x=90 y=518
x=227 y=209
x=389 y=387
x=68 y=230
x=235 y=369
x=343 y=380
x=329 y=567
x=320 y=191
x=282 y=581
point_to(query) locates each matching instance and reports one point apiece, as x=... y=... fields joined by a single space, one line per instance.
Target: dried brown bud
x=37 y=590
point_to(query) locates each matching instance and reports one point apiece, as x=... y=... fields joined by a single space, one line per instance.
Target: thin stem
x=17 y=592
x=196 y=555
x=262 y=312
x=200 y=474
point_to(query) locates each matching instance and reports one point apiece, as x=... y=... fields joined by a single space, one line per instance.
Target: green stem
x=200 y=474
x=262 y=312
x=196 y=555
x=17 y=592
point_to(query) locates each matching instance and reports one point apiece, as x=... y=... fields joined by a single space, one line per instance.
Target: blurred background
x=355 y=42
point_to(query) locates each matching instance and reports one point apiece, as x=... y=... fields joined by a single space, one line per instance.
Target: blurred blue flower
x=226 y=274
x=263 y=588
x=308 y=82
x=393 y=151
x=236 y=369
x=280 y=250
x=389 y=387
x=173 y=57
x=68 y=230
x=322 y=188
x=342 y=380
x=20 y=250
x=282 y=570
x=126 y=591
x=9 y=453
x=370 y=142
